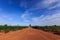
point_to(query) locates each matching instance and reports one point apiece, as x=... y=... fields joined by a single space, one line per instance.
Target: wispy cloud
x=6 y=17
x=44 y=19
x=48 y=4
x=34 y=11
x=56 y=5
x=25 y=16
x=48 y=20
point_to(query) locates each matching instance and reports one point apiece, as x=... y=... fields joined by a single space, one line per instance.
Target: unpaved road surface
x=28 y=34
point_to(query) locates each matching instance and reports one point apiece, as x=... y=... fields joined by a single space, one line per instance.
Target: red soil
x=29 y=34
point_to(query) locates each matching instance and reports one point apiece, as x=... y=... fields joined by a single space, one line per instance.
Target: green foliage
x=6 y=28
x=54 y=29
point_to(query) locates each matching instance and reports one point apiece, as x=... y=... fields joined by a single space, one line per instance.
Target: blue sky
x=25 y=12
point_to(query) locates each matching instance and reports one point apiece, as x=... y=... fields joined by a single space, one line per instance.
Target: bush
x=54 y=29
x=6 y=28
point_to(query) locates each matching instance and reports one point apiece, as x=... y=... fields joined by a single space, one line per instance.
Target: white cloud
x=25 y=16
x=48 y=20
x=49 y=4
x=44 y=4
x=53 y=19
x=43 y=19
x=55 y=6
x=37 y=18
x=6 y=17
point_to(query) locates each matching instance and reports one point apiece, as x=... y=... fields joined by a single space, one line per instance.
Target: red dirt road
x=29 y=34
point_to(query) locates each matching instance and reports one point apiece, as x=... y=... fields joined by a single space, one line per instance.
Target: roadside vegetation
x=5 y=28
x=53 y=29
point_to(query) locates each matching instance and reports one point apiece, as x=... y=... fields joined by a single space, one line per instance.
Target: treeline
x=5 y=28
x=54 y=29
